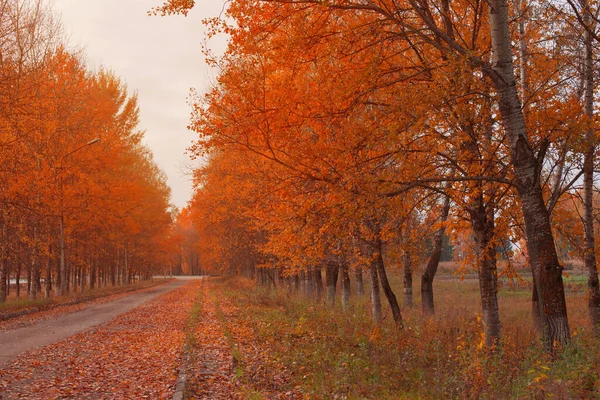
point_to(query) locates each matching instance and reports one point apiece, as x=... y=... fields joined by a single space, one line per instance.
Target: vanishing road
x=43 y=333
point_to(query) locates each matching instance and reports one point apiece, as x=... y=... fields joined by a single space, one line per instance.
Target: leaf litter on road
x=137 y=355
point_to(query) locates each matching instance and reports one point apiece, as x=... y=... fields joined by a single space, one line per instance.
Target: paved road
x=43 y=333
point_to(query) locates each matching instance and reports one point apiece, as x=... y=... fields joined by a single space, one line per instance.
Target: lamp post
x=63 y=269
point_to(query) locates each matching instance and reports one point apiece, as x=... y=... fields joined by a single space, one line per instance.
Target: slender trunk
x=385 y=284
x=126 y=268
x=113 y=275
x=296 y=283
x=408 y=280
x=331 y=280
x=4 y=263
x=318 y=282
x=48 y=283
x=302 y=283
x=34 y=265
x=63 y=268
x=75 y=273
x=483 y=231
x=588 y=181
x=18 y=281
x=345 y=286
x=34 y=280
x=309 y=282
x=92 y=275
x=3 y=278
x=360 y=285
x=28 y=279
x=57 y=284
x=433 y=263
x=375 y=294
x=119 y=272
x=546 y=269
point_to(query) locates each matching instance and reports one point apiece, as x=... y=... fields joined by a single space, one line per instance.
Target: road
x=43 y=333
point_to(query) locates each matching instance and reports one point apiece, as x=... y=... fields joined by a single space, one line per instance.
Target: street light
x=63 y=269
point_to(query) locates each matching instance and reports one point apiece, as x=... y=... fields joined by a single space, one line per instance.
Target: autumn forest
x=392 y=199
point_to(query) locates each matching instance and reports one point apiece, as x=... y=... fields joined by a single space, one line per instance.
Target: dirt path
x=43 y=333
x=136 y=355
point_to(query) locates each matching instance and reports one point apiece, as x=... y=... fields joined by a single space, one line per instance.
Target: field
x=326 y=353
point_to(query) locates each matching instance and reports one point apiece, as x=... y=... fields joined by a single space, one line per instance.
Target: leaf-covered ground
x=136 y=356
x=56 y=309
x=228 y=359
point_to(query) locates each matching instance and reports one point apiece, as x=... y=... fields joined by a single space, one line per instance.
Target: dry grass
x=331 y=354
x=14 y=303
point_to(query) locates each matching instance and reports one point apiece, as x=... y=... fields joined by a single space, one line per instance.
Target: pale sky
x=159 y=57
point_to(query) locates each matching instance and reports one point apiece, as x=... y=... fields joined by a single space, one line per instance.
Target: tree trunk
x=57 y=284
x=588 y=181
x=75 y=273
x=433 y=263
x=318 y=282
x=92 y=275
x=4 y=263
x=310 y=283
x=28 y=279
x=375 y=294
x=303 y=288
x=126 y=269
x=360 y=285
x=331 y=274
x=34 y=265
x=408 y=280
x=385 y=284
x=482 y=222
x=547 y=272
x=48 y=283
x=64 y=282
x=18 y=281
x=345 y=286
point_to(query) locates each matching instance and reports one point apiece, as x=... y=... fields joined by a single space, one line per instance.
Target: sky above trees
x=146 y=51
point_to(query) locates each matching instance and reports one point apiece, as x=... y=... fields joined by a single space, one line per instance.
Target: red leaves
x=137 y=355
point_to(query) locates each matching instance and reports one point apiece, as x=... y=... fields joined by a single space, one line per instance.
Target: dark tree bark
x=345 y=286
x=588 y=180
x=375 y=294
x=331 y=274
x=408 y=280
x=318 y=282
x=427 y=301
x=297 y=283
x=546 y=269
x=48 y=283
x=385 y=284
x=482 y=221
x=93 y=275
x=4 y=263
x=17 y=281
x=360 y=285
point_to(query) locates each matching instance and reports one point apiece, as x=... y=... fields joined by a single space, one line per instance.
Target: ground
x=228 y=338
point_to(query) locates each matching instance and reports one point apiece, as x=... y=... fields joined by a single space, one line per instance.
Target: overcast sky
x=159 y=57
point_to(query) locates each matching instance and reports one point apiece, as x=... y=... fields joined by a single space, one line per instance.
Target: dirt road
x=43 y=333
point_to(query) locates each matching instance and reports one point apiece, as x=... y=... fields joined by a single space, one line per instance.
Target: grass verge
x=324 y=353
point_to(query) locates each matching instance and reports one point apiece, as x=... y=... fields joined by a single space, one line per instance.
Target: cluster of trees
x=81 y=200
x=351 y=134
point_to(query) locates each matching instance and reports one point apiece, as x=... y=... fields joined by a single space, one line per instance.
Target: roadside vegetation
x=294 y=347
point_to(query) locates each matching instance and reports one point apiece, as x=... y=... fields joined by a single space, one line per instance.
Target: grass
x=331 y=354
x=14 y=303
